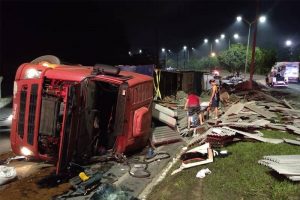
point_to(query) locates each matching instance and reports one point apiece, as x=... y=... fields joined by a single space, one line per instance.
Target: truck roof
x=78 y=73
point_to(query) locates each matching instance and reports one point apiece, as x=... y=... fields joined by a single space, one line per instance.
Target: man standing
x=215 y=98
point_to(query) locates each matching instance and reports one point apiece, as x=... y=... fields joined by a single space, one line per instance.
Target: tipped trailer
x=64 y=113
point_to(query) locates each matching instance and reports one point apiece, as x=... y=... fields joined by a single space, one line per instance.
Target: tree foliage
x=234 y=58
x=265 y=60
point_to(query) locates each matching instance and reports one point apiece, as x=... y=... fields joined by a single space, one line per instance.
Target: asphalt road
x=4 y=129
x=294 y=86
x=4 y=142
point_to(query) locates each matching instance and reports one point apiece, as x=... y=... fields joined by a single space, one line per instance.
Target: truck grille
x=31 y=117
x=23 y=99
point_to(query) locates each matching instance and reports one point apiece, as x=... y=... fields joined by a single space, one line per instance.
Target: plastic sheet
x=7 y=174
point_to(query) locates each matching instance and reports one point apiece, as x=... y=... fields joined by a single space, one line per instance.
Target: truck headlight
x=25 y=151
x=32 y=73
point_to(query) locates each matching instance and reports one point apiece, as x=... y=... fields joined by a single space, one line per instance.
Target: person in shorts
x=214 y=99
x=192 y=104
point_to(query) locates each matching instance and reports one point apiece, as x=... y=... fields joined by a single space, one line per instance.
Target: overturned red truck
x=64 y=113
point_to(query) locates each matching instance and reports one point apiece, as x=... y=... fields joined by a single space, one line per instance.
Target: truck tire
x=46 y=58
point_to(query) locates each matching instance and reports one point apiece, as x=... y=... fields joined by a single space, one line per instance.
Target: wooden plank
x=288 y=104
x=280 y=127
x=239 y=125
x=293 y=128
x=261 y=122
x=234 y=109
x=260 y=111
x=292 y=141
x=268 y=97
x=286 y=109
x=268 y=140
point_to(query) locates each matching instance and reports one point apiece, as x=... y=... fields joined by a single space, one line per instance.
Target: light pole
x=262 y=19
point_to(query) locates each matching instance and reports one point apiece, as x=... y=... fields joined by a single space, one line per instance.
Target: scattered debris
x=201 y=155
x=202 y=173
x=164 y=135
x=269 y=140
x=292 y=141
x=293 y=128
x=7 y=174
x=288 y=165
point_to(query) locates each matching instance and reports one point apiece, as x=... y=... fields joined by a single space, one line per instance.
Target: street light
x=129 y=53
x=236 y=36
x=213 y=54
x=261 y=19
x=184 y=51
x=217 y=40
x=289 y=44
x=205 y=42
x=163 y=50
x=222 y=36
x=140 y=51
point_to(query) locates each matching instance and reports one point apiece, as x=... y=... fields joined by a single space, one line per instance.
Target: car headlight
x=25 y=151
x=32 y=73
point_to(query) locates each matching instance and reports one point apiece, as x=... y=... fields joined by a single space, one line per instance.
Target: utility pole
x=247 y=48
x=253 y=47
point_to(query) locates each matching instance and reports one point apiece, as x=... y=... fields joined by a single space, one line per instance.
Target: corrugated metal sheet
x=164 y=134
x=288 y=165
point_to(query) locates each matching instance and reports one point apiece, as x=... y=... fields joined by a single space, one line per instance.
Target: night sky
x=89 y=32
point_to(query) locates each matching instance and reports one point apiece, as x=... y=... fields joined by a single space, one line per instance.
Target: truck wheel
x=46 y=58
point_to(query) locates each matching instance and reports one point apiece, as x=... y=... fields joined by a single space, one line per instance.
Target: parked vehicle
x=283 y=73
x=64 y=113
x=277 y=76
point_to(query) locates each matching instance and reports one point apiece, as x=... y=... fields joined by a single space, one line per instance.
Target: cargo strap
x=156 y=82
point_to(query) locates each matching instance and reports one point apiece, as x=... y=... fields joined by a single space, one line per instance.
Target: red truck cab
x=64 y=113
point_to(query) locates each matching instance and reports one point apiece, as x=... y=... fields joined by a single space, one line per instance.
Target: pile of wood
x=251 y=112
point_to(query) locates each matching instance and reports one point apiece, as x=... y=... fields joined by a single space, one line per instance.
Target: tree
x=234 y=58
x=265 y=61
x=207 y=63
x=171 y=63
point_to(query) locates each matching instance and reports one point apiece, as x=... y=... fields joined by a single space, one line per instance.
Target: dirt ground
x=28 y=188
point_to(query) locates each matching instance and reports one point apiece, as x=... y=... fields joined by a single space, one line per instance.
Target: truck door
x=68 y=135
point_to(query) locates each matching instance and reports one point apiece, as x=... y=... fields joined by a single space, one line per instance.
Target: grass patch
x=237 y=176
x=278 y=134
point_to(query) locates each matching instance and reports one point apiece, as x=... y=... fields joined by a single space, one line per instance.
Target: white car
x=5 y=119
